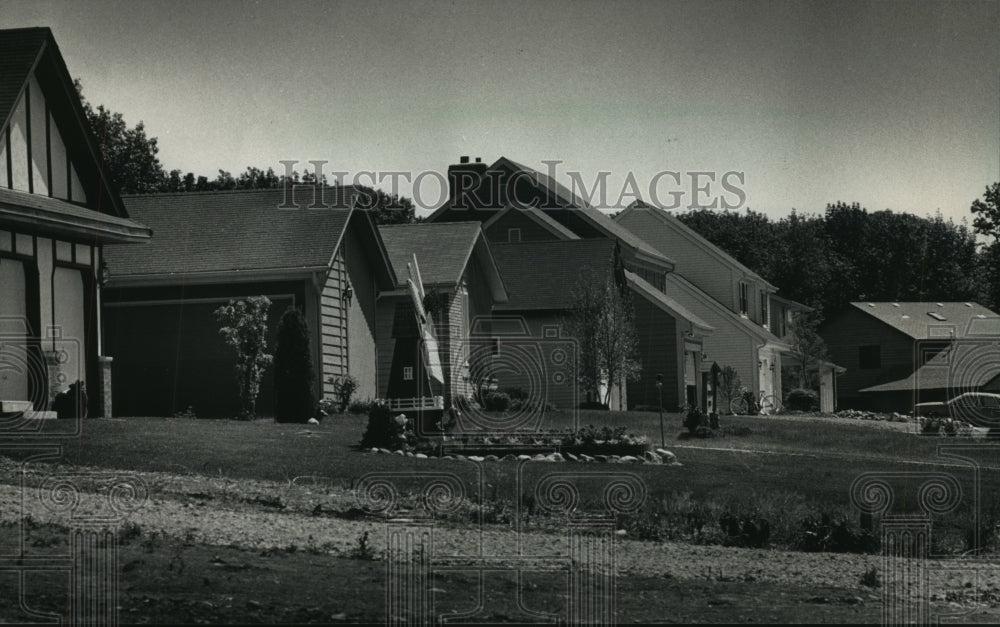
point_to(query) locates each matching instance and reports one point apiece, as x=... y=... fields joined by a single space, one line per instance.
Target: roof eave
x=216 y=276
x=74 y=226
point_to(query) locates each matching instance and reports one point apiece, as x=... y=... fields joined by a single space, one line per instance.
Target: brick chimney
x=464 y=180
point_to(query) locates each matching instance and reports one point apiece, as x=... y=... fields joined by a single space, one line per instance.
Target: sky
x=889 y=104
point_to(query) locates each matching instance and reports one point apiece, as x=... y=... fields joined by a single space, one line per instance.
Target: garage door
x=168 y=357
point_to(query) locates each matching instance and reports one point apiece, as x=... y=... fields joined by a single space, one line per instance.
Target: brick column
x=104 y=386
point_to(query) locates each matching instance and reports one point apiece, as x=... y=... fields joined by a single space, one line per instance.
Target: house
x=509 y=197
x=211 y=247
x=520 y=206
x=751 y=323
x=460 y=280
x=895 y=351
x=540 y=278
x=57 y=213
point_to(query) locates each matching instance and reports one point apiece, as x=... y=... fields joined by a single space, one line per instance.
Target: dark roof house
x=57 y=212
x=211 y=247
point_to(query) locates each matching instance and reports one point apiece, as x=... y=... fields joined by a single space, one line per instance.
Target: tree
x=602 y=321
x=129 y=155
x=808 y=348
x=244 y=327
x=987 y=212
x=294 y=375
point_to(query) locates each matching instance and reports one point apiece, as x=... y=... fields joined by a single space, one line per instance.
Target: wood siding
x=531 y=231
x=333 y=325
x=851 y=329
x=361 y=325
x=659 y=353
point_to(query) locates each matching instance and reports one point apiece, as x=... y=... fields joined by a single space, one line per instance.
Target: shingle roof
x=963 y=366
x=595 y=217
x=542 y=275
x=19 y=49
x=231 y=231
x=926 y=320
x=442 y=249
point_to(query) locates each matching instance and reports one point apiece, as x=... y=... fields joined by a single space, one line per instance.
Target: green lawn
x=817 y=459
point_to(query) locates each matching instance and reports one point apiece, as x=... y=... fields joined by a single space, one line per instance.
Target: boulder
x=571 y=457
x=420 y=456
x=524 y=457
x=492 y=458
x=586 y=458
x=476 y=458
x=312 y=421
x=614 y=459
x=409 y=453
x=510 y=457
x=398 y=452
x=373 y=450
x=556 y=457
x=539 y=458
x=385 y=451
x=601 y=458
x=652 y=458
x=629 y=459
x=666 y=456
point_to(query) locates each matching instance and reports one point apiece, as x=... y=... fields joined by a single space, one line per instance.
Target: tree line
x=131 y=162
x=849 y=253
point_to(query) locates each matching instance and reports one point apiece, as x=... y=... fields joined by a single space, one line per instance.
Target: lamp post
x=659 y=389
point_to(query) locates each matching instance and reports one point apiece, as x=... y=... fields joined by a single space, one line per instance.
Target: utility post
x=659 y=389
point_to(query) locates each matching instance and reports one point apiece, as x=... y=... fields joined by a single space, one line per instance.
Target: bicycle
x=747 y=405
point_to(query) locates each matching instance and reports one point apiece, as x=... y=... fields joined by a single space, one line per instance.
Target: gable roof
x=671 y=221
x=923 y=320
x=542 y=275
x=567 y=201
x=667 y=303
x=443 y=251
x=24 y=51
x=238 y=235
x=791 y=304
x=539 y=217
x=961 y=367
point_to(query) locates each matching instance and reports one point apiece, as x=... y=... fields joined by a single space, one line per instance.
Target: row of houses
x=119 y=291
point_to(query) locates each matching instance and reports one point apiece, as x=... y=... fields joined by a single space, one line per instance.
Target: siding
x=361 y=315
x=851 y=329
x=658 y=352
x=333 y=325
x=531 y=231
x=385 y=341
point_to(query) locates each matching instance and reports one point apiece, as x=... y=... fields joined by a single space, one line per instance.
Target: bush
x=71 y=403
x=294 y=377
x=244 y=328
x=836 y=536
x=385 y=430
x=695 y=419
x=360 y=407
x=801 y=399
x=344 y=388
x=746 y=530
x=329 y=406
x=496 y=401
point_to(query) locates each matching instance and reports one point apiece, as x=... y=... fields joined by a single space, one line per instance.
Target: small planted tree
x=244 y=327
x=294 y=376
x=808 y=349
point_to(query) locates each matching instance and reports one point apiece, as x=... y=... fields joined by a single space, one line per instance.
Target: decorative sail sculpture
x=431 y=356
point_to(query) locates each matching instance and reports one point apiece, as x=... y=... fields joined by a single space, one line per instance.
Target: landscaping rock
x=460 y=457
x=556 y=457
x=614 y=459
x=492 y=458
x=510 y=457
x=538 y=458
x=666 y=456
x=312 y=421
x=476 y=458
x=398 y=452
x=420 y=456
x=652 y=458
x=409 y=453
x=374 y=450
x=524 y=457
x=601 y=458
x=571 y=457
x=385 y=451
x=629 y=459
x=586 y=458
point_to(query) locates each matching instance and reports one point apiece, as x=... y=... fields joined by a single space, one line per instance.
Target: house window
x=408 y=373
x=764 y=313
x=513 y=236
x=869 y=357
x=744 y=298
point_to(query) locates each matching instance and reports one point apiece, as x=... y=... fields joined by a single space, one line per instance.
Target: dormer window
x=765 y=314
x=744 y=299
x=513 y=236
